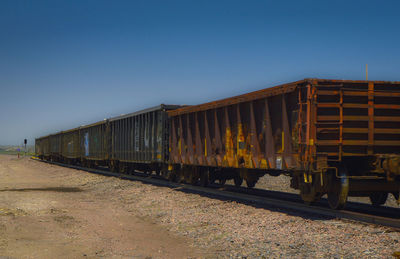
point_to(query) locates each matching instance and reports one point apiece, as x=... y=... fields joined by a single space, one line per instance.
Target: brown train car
x=94 y=144
x=334 y=137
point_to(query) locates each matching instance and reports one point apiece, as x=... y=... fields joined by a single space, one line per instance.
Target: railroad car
x=70 y=148
x=94 y=147
x=55 y=145
x=140 y=140
x=42 y=149
x=334 y=137
x=135 y=141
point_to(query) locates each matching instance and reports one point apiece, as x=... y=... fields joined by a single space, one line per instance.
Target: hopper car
x=337 y=138
x=137 y=141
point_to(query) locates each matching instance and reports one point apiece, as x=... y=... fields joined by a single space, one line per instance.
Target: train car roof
x=94 y=124
x=42 y=137
x=155 y=108
x=158 y=107
x=67 y=131
x=271 y=91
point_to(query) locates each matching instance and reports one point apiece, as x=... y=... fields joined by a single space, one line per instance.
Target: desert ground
x=52 y=212
x=48 y=211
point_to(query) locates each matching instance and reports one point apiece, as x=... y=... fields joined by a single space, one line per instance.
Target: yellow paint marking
x=322 y=179
x=205 y=147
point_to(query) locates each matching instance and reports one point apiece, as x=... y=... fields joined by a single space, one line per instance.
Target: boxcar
x=94 y=144
x=70 y=150
x=38 y=148
x=139 y=140
x=42 y=149
x=333 y=137
x=55 y=146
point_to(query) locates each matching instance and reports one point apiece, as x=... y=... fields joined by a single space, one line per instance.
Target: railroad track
x=359 y=212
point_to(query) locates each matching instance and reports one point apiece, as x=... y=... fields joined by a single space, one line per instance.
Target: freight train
x=337 y=138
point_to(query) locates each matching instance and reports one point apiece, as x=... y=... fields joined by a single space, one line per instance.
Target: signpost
x=25 y=141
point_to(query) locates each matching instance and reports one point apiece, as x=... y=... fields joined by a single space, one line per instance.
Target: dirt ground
x=48 y=211
x=44 y=215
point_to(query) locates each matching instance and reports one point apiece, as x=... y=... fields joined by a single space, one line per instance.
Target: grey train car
x=135 y=141
x=42 y=149
x=94 y=144
x=70 y=146
x=140 y=140
x=55 y=146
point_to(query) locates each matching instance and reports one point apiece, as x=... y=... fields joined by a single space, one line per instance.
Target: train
x=337 y=138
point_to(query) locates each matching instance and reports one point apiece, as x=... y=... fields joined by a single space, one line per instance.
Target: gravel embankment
x=236 y=230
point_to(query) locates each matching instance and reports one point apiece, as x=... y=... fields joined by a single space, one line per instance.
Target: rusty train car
x=337 y=138
x=331 y=137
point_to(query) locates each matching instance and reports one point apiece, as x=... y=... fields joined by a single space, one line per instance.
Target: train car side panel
x=71 y=144
x=335 y=137
x=55 y=146
x=254 y=134
x=94 y=141
x=141 y=137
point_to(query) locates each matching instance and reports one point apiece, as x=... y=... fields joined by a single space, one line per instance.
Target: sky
x=68 y=63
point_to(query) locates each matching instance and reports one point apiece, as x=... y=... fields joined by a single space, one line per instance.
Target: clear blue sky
x=67 y=63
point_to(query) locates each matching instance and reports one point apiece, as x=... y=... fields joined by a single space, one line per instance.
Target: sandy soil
x=49 y=211
x=44 y=215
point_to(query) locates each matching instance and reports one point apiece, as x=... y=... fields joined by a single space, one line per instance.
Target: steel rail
x=278 y=203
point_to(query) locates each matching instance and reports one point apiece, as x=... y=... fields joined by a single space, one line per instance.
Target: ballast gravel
x=236 y=230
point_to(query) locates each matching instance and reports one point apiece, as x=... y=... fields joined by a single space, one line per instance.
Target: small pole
x=25 y=141
x=366 y=70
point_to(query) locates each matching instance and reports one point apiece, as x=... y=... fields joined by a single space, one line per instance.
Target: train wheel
x=211 y=178
x=250 y=183
x=194 y=178
x=308 y=190
x=129 y=170
x=378 y=198
x=339 y=189
x=396 y=195
x=113 y=166
x=180 y=176
x=187 y=176
x=238 y=180
x=204 y=178
x=170 y=175
x=310 y=196
x=122 y=168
